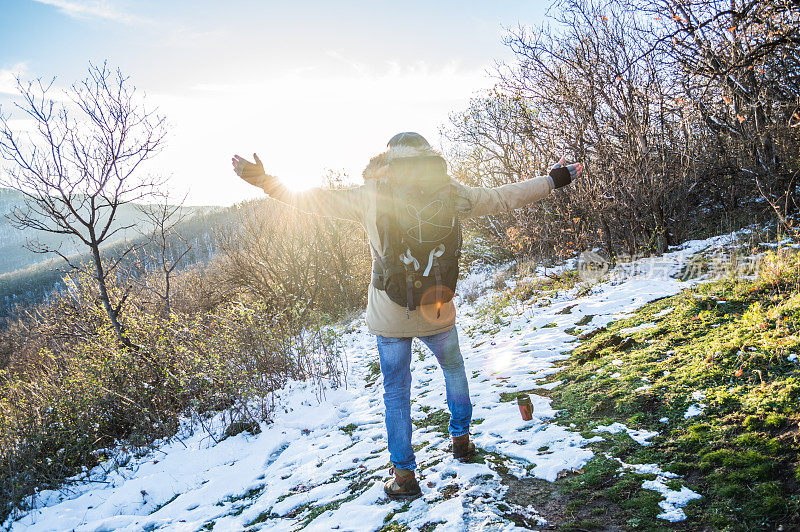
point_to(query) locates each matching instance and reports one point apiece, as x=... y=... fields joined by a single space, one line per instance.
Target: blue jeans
x=395 y=357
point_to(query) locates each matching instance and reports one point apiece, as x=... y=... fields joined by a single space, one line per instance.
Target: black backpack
x=420 y=231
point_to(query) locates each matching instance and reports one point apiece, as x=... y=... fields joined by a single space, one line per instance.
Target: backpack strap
x=389 y=234
x=435 y=253
x=437 y=272
x=381 y=271
x=408 y=261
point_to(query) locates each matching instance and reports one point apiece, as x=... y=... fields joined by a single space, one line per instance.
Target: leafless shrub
x=294 y=260
x=76 y=391
x=646 y=94
x=167 y=248
x=737 y=63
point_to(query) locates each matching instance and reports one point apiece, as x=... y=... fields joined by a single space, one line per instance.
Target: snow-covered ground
x=303 y=469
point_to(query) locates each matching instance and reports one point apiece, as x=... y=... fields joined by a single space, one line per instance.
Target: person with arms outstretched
x=411 y=210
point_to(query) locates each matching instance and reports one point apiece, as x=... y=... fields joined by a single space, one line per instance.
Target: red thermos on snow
x=525 y=406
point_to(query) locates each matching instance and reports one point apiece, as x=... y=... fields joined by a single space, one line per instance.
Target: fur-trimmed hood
x=378 y=166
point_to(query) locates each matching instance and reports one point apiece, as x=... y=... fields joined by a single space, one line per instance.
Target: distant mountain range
x=13 y=253
x=27 y=277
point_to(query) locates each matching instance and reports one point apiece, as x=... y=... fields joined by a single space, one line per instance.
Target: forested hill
x=27 y=277
x=13 y=253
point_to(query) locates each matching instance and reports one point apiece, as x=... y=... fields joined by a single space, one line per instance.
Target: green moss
x=374 y=368
x=430 y=526
x=741 y=452
x=419 y=446
x=506 y=397
x=393 y=526
x=437 y=420
x=262 y=517
x=252 y=493
x=349 y=429
x=316 y=511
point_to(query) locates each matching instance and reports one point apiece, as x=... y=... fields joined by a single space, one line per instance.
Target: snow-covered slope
x=323 y=464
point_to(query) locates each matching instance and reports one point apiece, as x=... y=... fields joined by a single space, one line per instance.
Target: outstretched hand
x=563 y=175
x=253 y=173
x=575 y=169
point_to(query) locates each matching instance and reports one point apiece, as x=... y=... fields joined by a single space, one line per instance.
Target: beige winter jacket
x=384 y=316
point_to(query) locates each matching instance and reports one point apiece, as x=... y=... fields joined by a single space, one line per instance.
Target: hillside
x=14 y=255
x=581 y=461
x=27 y=277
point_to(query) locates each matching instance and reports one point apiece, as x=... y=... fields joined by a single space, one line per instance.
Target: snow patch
x=648 y=469
x=673 y=501
x=639 y=436
x=694 y=410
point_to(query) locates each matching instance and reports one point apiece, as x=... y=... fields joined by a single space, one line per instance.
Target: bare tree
x=740 y=60
x=586 y=84
x=169 y=247
x=683 y=111
x=77 y=164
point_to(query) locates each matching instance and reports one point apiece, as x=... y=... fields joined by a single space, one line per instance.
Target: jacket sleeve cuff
x=552 y=183
x=270 y=184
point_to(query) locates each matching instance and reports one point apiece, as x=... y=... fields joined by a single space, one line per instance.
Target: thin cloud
x=417 y=82
x=188 y=37
x=359 y=67
x=8 y=78
x=92 y=9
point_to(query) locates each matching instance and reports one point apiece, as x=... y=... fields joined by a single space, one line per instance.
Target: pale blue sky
x=308 y=85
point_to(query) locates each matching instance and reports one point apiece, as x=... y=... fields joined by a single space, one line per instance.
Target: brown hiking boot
x=463 y=449
x=404 y=485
